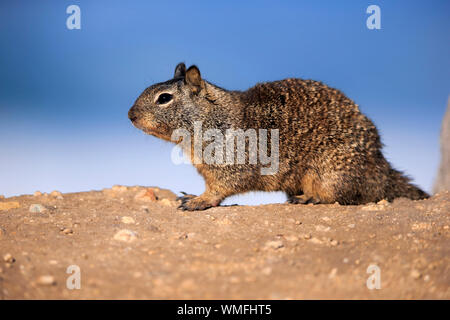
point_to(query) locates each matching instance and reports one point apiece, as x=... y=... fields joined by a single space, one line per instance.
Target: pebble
x=119 y=189
x=8 y=258
x=322 y=228
x=128 y=220
x=315 y=241
x=274 y=244
x=383 y=202
x=415 y=274
x=56 y=194
x=291 y=238
x=334 y=243
x=333 y=273
x=147 y=195
x=37 y=208
x=167 y=202
x=125 y=235
x=267 y=271
x=307 y=236
x=9 y=205
x=46 y=280
x=67 y=231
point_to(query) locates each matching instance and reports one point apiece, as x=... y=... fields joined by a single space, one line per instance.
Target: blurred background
x=65 y=94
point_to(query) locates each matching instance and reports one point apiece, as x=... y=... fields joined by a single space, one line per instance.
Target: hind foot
x=302 y=199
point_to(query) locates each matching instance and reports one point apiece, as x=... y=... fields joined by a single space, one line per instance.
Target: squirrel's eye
x=164 y=98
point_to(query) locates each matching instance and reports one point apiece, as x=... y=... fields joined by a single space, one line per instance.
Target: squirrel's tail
x=399 y=185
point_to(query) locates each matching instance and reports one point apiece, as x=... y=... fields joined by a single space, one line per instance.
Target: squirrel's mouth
x=161 y=131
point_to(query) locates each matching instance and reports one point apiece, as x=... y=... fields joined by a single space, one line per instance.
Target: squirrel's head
x=174 y=104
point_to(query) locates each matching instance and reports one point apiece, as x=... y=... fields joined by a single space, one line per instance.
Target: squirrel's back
x=324 y=135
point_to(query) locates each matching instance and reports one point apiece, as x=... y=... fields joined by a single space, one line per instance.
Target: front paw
x=192 y=203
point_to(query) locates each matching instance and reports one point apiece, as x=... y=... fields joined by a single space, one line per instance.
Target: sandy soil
x=127 y=245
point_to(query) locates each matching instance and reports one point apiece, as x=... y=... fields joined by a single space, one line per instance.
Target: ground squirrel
x=328 y=150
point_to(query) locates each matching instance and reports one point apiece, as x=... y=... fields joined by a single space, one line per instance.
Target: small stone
x=128 y=220
x=351 y=225
x=307 y=236
x=37 y=194
x=119 y=189
x=125 y=235
x=46 y=280
x=67 y=231
x=315 y=241
x=426 y=278
x=55 y=194
x=274 y=244
x=291 y=238
x=8 y=258
x=333 y=273
x=345 y=260
x=445 y=227
x=53 y=262
x=167 y=202
x=334 y=243
x=267 y=271
x=383 y=202
x=147 y=195
x=322 y=228
x=298 y=223
x=9 y=205
x=37 y=208
x=415 y=274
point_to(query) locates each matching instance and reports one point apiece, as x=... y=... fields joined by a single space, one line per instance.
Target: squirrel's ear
x=180 y=71
x=194 y=79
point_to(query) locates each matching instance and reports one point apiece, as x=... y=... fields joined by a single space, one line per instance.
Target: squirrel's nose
x=132 y=114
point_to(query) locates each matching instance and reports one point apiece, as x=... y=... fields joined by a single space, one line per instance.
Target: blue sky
x=65 y=94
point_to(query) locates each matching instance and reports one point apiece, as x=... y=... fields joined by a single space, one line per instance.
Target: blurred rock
x=168 y=203
x=119 y=189
x=8 y=258
x=55 y=194
x=125 y=235
x=9 y=205
x=146 y=195
x=37 y=208
x=46 y=280
x=442 y=181
x=128 y=220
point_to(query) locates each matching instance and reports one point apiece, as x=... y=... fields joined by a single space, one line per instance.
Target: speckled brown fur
x=328 y=150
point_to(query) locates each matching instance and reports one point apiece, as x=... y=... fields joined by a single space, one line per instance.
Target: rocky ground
x=132 y=242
